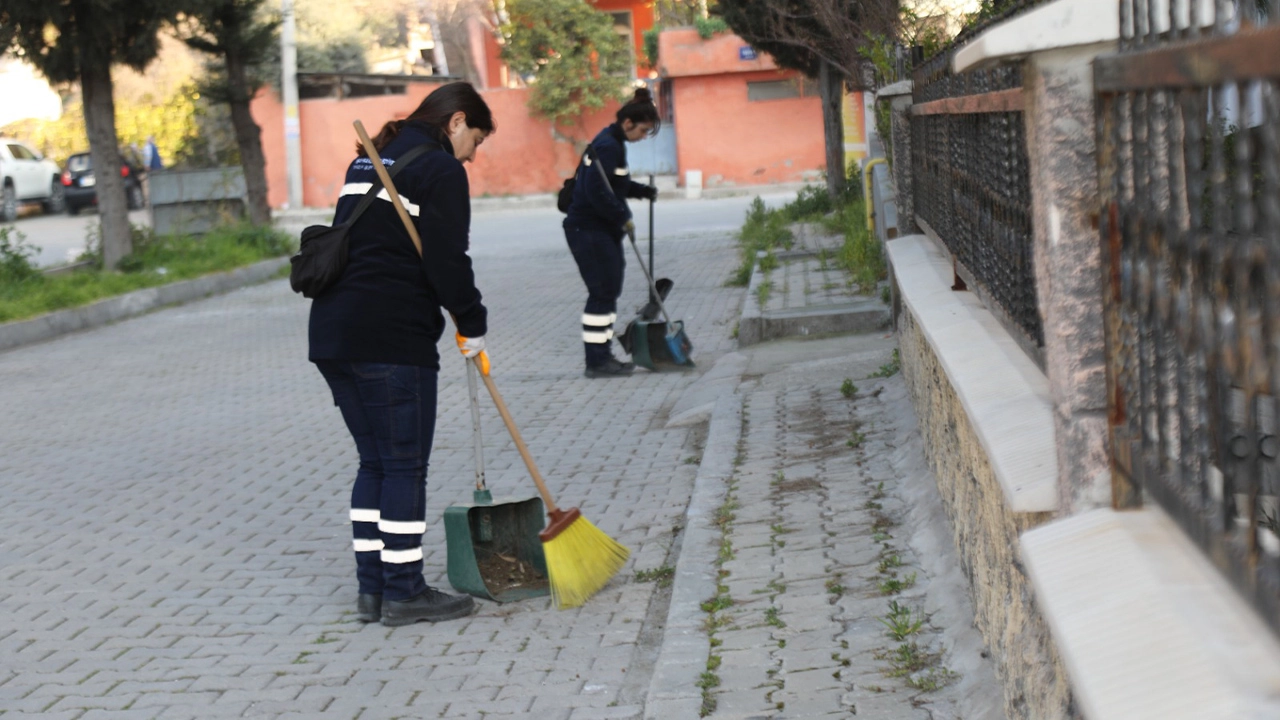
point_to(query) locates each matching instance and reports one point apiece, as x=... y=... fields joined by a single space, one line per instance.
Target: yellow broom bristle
x=580 y=560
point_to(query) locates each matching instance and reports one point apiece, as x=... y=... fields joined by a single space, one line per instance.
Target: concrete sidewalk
x=175 y=542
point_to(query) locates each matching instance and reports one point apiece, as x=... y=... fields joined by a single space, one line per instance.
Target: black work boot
x=611 y=368
x=430 y=606
x=368 y=608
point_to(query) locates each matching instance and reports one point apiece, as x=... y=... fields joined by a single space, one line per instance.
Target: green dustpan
x=494 y=550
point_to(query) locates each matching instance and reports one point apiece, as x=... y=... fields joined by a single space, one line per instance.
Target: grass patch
x=771 y=617
x=26 y=292
x=901 y=621
x=763 y=291
x=848 y=389
x=763 y=230
x=890 y=368
x=895 y=585
x=662 y=576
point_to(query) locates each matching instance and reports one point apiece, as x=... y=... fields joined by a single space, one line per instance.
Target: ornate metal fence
x=1188 y=122
x=971 y=180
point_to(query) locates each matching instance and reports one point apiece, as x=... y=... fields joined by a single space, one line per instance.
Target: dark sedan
x=81 y=186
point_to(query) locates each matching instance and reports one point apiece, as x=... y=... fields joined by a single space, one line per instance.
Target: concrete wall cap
x=1148 y=629
x=1059 y=24
x=1004 y=393
x=902 y=87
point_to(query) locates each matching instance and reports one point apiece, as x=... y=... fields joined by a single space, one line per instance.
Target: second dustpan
x=494 y=550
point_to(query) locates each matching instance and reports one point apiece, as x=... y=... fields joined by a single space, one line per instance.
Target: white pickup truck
x=27 y=177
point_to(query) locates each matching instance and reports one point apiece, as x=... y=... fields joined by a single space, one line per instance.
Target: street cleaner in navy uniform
x=373 y=336
x=598 y=220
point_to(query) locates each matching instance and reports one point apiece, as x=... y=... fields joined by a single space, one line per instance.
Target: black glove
x=650 y=193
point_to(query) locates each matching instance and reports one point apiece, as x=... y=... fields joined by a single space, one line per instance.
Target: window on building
x=779 y=89
x=622 y=25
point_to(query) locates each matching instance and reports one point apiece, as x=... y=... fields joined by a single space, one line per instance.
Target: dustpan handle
x=488 y=381
x=474 y=394
x=653 y=288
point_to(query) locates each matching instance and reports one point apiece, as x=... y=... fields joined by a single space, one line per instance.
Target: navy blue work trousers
x=601 y=264
x=390 y=411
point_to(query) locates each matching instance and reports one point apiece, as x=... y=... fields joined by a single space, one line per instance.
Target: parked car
x=81 y=186
x=27 y=177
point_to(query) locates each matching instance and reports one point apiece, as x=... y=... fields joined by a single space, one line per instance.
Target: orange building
x=728 y=112
x=738 y=118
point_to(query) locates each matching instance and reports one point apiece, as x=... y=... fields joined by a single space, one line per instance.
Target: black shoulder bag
x=565 y=197
x=322 y=254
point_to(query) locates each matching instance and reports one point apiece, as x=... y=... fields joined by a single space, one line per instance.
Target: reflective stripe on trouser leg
x=597 y=329
x=601 y=264
x=399 y=402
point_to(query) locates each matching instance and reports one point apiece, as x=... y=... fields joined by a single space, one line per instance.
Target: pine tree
x=240 y=35
x=78 y=41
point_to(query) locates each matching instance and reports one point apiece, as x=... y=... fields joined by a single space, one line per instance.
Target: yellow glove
x=473 y=348
x=630 y=229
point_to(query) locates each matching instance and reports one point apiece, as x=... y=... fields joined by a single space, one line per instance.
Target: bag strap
x=402 y=161
x=595 y=160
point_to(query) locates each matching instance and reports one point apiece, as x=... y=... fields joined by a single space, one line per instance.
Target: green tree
x=79 y=41
x=569 y=54
x=241 y=36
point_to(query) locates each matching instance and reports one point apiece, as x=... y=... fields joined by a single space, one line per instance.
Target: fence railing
x=1188 y=122
x=971 y=180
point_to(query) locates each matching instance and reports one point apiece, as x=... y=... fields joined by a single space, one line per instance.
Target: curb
x=756 y=325
x=138 y=302
x=673 y=689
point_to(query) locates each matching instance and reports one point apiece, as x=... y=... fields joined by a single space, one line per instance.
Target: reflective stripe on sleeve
x=362 y=188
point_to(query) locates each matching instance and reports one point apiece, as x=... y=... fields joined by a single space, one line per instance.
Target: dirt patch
x=504 y=573
x=794 y=486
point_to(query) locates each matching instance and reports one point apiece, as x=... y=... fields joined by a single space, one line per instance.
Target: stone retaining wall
x=986 y=533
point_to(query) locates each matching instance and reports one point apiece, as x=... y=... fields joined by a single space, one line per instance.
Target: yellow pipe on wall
x=866 y=191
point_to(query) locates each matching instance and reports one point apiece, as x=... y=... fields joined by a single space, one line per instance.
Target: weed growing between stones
x=890 y=368
x=848 y=389
x=662 y=576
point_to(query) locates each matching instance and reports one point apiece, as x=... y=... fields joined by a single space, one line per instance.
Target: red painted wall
x=733 y=141
x=524 y=155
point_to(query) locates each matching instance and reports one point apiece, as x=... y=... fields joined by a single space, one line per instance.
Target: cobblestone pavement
x=175 y=542
x=825 y=531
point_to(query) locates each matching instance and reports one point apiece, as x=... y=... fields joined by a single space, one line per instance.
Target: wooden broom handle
x=387 y=185
x=385 y=177
x=515 y=435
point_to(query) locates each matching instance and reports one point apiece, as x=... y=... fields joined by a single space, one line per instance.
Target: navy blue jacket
x=386 y=308
x=595 y=205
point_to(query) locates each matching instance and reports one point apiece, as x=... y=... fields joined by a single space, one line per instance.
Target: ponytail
x=640 y=109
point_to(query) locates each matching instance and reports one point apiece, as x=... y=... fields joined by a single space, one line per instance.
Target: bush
x=15 y=257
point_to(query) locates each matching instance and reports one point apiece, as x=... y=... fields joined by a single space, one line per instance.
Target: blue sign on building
x=746 y=52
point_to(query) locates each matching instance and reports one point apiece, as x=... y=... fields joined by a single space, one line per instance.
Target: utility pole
x=437 y=39
x=289 y=84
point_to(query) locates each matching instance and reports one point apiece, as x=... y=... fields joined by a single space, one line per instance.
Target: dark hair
x=435 y=111
x=640 y=109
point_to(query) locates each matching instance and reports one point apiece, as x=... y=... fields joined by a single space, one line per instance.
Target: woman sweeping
x=373 y=336
x=598 y=219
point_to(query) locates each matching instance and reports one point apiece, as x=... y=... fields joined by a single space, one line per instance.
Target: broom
x=580 y=557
